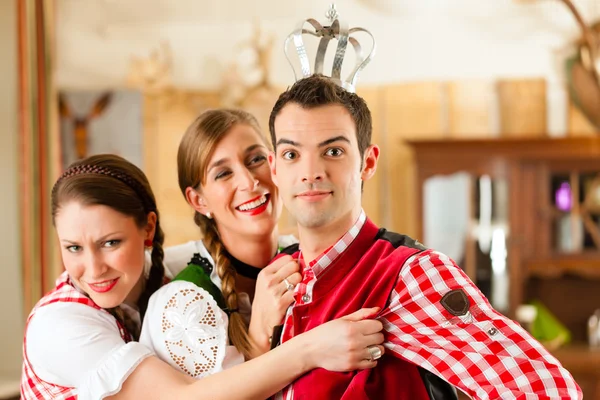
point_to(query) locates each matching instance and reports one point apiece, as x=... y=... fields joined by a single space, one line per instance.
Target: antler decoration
x=153 y=73
x=583 y=72
x=588 y=53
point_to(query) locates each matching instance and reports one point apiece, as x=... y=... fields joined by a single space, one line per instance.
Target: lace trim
x=195 y=334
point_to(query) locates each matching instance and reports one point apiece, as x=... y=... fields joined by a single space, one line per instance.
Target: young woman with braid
x=81 y=338
x=224 y=176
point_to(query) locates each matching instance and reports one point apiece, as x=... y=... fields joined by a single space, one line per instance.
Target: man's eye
x=289 y=155
x=334 y=152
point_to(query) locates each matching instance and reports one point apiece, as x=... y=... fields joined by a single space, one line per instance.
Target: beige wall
x=10 y=260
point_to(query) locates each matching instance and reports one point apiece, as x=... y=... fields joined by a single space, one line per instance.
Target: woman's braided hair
x=195 y=150
x=112 y=181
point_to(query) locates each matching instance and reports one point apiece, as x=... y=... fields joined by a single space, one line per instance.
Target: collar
x=244 y=269
x=325 y=259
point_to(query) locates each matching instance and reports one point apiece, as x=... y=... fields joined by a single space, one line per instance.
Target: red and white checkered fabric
x=483 y=353
x=32 y=387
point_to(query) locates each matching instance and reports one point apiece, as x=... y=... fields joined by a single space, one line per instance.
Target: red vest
x=32 y=387
x=362 y=276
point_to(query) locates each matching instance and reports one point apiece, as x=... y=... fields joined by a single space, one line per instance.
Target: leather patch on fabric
x=456 y=302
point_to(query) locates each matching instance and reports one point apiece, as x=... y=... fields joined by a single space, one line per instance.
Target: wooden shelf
x=579 y=358
x=586 y=265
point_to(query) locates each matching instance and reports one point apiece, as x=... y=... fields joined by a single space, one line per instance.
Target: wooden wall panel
x=166 y=117
x=522 y=107
x=470 y=108
x=412 y=111
x=578 y=125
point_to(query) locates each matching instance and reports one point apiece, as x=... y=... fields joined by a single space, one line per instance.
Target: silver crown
x=335 y=30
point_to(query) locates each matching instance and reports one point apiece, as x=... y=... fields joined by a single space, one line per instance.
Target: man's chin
x=313 y=221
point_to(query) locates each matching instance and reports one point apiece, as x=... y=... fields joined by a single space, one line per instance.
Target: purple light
x=563 y=197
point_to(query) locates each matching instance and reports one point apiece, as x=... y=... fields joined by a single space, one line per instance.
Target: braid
x=238 y=329
x=157 y=270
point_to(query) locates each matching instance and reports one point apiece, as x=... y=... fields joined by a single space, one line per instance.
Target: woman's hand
x=274 y=294
x=343 y=344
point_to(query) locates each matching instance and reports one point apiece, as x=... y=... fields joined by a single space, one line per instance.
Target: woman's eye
x=257 y=159
x=334 y=152
x=221 y=175
x=289 y=155
x=73 y=249
x=111 y=243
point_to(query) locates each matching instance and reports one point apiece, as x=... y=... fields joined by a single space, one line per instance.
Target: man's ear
x=273 y=167
x=370 y=160
x=196 y=200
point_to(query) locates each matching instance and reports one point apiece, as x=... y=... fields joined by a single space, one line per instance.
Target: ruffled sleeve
x=74 y=345
x=185 y=327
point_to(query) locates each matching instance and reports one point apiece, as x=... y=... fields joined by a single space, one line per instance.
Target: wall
x=10 y=265
x=424 y=40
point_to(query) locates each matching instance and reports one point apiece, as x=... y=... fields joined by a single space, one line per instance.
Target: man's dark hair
x=317 y=90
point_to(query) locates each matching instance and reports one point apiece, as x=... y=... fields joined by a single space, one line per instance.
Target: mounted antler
x=80 y=128
x=590 y=51
x=584 y=71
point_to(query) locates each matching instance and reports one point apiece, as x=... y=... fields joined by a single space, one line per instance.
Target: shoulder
x=185 y=327
x=178 y=257
x=66 y=343
x=398 y=240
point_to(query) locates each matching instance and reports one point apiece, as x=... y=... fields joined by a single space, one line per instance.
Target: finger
x=286 y=270
x=368 y=326
x=277 y=264
x=295 y=278
x=368 y=356
x=361 y=314
x=366 y=364
x=372 y=339
x=287 y=299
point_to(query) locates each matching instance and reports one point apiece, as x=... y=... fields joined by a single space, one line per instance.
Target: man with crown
x=440 y=330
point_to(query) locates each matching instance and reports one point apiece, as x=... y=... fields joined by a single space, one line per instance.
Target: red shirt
x=476 y=349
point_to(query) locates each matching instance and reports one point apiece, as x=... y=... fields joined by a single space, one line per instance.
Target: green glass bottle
x=198 y=272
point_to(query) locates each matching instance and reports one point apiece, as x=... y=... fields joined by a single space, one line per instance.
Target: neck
x=257 y=251
x=133 y=296
x=314 y=241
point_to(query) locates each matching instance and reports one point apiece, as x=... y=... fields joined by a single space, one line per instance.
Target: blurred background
x=487 y=113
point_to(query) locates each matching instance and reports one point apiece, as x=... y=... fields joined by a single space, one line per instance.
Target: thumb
x=363 y=313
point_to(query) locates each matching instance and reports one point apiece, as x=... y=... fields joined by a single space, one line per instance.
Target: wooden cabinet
x=553 y=221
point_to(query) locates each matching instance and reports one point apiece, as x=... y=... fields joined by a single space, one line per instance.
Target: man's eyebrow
x=333 y=140
x=287 y=141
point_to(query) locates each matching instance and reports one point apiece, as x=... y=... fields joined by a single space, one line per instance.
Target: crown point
x=332 y=13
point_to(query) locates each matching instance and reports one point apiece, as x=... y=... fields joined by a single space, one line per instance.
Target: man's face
x=318 y=167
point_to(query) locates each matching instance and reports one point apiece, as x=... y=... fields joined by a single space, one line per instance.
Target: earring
x=209 y=215
x=148 y=244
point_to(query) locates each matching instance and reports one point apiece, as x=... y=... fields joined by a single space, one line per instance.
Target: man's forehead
x=331 y=119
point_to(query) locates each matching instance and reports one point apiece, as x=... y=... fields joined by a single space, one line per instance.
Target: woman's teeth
x=252 y=205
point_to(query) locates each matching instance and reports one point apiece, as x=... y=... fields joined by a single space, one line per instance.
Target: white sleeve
x=75 y=345
x=185 y=327
x=178 y=257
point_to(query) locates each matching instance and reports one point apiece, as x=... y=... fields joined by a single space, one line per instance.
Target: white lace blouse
x=183 y=324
